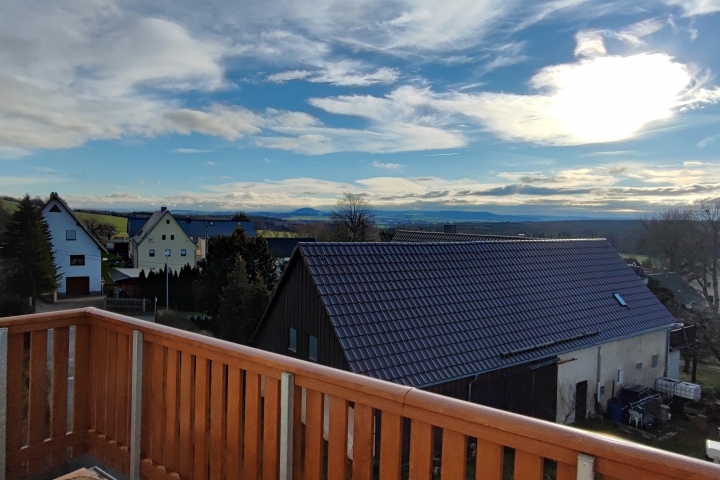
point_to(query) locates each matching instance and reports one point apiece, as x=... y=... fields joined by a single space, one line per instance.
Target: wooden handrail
x=534 y=439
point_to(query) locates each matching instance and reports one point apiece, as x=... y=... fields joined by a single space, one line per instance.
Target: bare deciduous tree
x=352 y=219
x=102 y=230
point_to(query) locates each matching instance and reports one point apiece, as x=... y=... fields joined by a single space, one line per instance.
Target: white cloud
x=696 y=7
x=283 y=77
x=13 y=153
x=224 y=121
x=339 y=74
x=387 y=166
x=210 y=163
x=589 y=43
x=190 y=150
x=707 y=141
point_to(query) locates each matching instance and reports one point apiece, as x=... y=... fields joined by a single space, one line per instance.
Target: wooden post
x=136 y=405
x=3 y=397
x=287 y=400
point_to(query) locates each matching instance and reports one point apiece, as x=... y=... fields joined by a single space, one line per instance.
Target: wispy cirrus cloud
x=387 y=165
x=190 y=150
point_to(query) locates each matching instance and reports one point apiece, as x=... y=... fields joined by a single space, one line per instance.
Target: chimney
x=163 y=209
x=450 y=228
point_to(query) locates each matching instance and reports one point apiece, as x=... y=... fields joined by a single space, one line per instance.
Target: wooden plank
x=100 y=362
x=59 y=406
x=566 y=471
x=271 y=430
x=454 y=448
x=49 y=447
x=390 y=446
x=37 y=408
x=157 y=416
x=363 y=441
x=252 y=426
x=337 y=440
x=147 y=401
x=421 y=461
x=171 y=409
x=123 y=391
x=217 y=420
x=111 y=411
x=314 y=419
x=15 y=401
x=528 y=466
x=81 y=384
x=234 y=422
x=200 y=434
x=297 y=468
x=488 y=461
x=185 y=451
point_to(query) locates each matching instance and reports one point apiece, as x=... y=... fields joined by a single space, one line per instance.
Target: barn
x=534 y=327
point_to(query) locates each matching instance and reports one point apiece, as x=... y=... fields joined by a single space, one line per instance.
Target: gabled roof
x=148 y=226
x=683 y=292
x=419 y=314
x=283 y=247
x=54 y=196
x=196 y=227
x=424 y=237
x=121 y=274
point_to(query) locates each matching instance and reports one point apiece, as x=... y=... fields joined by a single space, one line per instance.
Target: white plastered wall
x=626 y=354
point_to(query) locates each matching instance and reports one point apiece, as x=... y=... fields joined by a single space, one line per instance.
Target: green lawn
x=275 y=234
x=119 y=222
x=9 y=206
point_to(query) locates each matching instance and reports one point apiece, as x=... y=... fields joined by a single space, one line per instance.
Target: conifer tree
x=27 y=240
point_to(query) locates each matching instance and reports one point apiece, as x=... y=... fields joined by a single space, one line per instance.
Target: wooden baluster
x=271 y=429
x=528 y=466
x=314 y=419
x=201 y=410
x=454 y=448
x=37 y=409
x=489 y=461
x=234 y=422
x=566 y=471
x=362 y=442
x=390 y=446
x=157 y=415
x=252 y=426
x=171 y=416
x=217 y=419
x=147 y=382
x=337 y=441
x=59 y=408
x=185 y=452
x=123 y=396
x=101 y=381
x=15 y=401
x=111 y=404
x=421 y=462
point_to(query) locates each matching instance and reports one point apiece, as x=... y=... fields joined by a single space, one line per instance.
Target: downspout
x=599 y=377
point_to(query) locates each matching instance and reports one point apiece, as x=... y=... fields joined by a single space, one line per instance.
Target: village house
x=161 y=235
x=78 y=253
x=546 y=328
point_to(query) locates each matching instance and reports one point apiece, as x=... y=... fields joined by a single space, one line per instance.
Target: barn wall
x=626 y=355
x=298 y=305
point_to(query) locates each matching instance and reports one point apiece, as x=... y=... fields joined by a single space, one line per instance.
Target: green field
x=9 y=206
x=275 y=234
x=119 y=222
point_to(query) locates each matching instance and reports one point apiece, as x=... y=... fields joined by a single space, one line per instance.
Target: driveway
x=69 y=303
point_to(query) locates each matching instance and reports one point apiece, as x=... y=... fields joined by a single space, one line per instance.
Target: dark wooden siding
x=528 y=389
x=298 y=305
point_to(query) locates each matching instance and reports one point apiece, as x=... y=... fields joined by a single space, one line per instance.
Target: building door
x=581 y=401
x=77 y=285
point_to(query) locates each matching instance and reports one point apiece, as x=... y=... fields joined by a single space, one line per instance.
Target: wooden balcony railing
x=157 y=403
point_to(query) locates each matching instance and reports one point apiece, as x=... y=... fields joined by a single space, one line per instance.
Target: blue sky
x=555 y=107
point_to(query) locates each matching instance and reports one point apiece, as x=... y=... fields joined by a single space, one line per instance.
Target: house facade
x=159 y=234
x=78 y=253
x=524 y=326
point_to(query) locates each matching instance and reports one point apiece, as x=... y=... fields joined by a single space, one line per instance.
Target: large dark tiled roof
x=425 y=313
x=424 y=237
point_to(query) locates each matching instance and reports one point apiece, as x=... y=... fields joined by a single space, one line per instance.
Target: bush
x=181 y=321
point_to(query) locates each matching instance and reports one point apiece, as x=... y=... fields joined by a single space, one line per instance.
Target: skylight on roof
x=620 y=300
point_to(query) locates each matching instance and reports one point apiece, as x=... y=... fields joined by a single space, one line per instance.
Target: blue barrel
x=614 y=412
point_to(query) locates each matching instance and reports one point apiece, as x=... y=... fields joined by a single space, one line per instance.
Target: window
x=55 y=209
x=313 y=349
x=163 y=237
x=172 y=237
x=167 y=221
x=152 y=252
x=655 y=361
x=638 y=366
x=621 y=377
x=70 y=235
x=77 y=260
x=620 y=300
x=292 y=339
x=183 y=252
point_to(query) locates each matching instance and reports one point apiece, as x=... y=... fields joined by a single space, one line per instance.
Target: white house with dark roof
x=78 y=253
x=159 y=234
